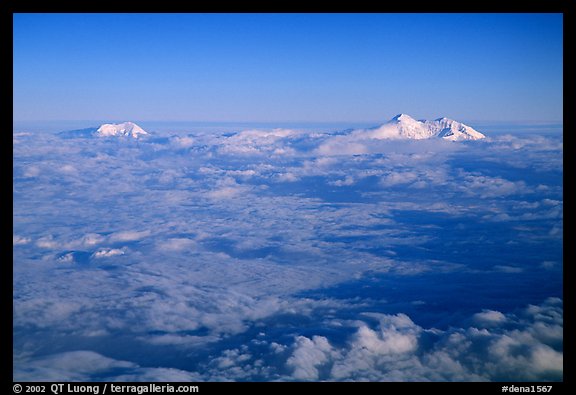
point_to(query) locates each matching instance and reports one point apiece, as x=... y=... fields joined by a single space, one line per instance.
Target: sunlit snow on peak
x=120 y=129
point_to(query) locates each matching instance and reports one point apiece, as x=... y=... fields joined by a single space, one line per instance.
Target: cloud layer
x=287 y=255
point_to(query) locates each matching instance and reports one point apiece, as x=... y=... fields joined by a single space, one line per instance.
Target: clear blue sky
x=287 y=67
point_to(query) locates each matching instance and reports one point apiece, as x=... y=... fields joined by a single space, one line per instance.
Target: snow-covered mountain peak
x=450 y=129
x=120 y=129
x=403 y=126
x=403 y=118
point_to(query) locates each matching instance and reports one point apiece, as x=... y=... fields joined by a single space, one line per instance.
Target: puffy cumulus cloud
x=361 y=142
x=47 y=242
x=519 y=347
x=548 y=319
x=373 y=352
x=489 y=318
x=108 y=252
x=263 y=135
x=397 y=335
x=550 y=311
x=308 y=356
x=235 y=364
x=256 y=142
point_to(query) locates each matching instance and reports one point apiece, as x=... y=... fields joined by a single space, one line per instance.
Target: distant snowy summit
x=403 y=126
x=129 y=129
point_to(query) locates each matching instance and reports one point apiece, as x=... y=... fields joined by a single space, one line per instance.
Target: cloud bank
x=287 y=255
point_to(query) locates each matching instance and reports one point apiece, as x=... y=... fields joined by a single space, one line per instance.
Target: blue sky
x=287 y=67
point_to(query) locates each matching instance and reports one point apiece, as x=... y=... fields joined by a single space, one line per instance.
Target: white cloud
x=508 y=269
x=181 y=341
x=308 y=356
x=20 y=240
x=108 y=252
x=284 y=151
x=81 y=362
x=225 y=192
x=31 y=171
x=128 y=235
x=92 y=239
x=234 y=235
x=398 y=178
x=158 y=375
x=184 y=141
x=227 y=188
x=45 y=312
x=400 y=350
x=257 y=142
x=489 y=317
x=68 y=169
x=349 y=180
x=242 y=173
x=489 y=187
x=85 y=365
x=177 y=244
x=341 y=146
x=19 y=137
x=277 y=348
x=47 y=242
x=66 y=258
x=548 y=264
x=396 y=335
x=288 y=177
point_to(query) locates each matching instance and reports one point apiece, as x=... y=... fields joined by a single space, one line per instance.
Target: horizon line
x=518 y=122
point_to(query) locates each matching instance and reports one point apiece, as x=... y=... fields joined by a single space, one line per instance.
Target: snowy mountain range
x=403 y=126
x=120 y=129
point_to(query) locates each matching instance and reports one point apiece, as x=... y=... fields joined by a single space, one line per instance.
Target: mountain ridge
x=403 y=126
x=120 y=129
